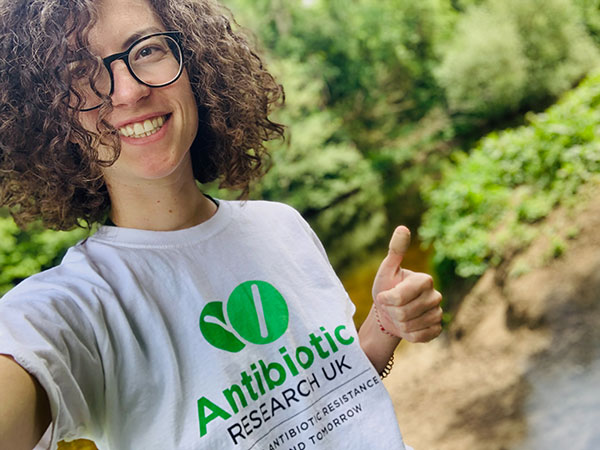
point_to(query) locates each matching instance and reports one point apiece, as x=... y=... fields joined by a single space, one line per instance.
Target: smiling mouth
x=143 y=129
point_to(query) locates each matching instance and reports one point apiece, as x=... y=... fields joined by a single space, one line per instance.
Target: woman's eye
x=150 y=52
x=147 y=51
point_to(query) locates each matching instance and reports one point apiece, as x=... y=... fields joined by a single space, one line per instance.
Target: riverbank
x=518 y=367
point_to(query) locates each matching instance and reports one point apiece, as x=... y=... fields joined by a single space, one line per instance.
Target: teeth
x=143 y=129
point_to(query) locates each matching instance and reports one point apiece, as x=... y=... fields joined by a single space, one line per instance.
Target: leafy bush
x=486 y=200
x=484 y=70
x=510 y=53
x=327 y=180
x=590 y=13
x=23 y=253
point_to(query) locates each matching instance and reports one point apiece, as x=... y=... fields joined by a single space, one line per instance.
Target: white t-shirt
x=233 y=334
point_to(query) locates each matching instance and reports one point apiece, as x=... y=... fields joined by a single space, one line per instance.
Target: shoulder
x=62 y=289
x=267 y=211
x=263 y=206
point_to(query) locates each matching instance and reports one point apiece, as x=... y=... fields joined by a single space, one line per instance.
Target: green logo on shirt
x=254 y=313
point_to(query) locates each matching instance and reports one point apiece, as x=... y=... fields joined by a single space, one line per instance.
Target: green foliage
x=484 y=69
x=510 y=53
x=590 y=14
x=24 y=253
x=385 y=72
x=462 y=5
x=376 y=93
x=327 y=180
x=375 y=57
x=486 y=201
x=557 y=248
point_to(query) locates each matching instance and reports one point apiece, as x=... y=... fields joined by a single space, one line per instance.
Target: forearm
x=24 y=408
x=377 y=345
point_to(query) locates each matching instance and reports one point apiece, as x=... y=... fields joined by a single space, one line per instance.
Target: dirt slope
x=535 y=315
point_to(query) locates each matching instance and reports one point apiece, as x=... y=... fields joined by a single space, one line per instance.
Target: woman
x=184 y=322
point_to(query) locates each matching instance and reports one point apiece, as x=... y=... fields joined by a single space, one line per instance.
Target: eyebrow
x=134 y=37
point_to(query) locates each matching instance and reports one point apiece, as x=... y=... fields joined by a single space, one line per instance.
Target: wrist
x=379 y=323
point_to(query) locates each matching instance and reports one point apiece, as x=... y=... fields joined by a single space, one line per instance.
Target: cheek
x=190 y=112
x=193 y=122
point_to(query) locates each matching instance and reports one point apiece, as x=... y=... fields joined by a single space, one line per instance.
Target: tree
x=509 y=54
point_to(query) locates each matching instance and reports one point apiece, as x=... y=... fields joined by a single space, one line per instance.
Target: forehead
x=121 y=21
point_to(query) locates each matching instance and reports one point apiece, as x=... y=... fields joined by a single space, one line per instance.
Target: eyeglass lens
x=154 y=61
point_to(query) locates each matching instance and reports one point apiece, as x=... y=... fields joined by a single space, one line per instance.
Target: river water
x=563 y=409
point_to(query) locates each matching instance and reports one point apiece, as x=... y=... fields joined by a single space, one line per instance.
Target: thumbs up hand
x=406 y=303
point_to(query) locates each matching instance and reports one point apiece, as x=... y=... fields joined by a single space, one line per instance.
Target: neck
x=166 y=207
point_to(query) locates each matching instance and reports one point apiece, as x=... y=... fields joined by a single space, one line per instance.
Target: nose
x=127 y=90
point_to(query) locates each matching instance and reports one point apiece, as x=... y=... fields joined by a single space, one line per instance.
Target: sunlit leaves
x=512 y=179
x=24 y=253
x=506 y=54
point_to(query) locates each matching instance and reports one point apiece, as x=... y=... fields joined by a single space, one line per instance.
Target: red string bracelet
x=388 y=367
x=383 y=330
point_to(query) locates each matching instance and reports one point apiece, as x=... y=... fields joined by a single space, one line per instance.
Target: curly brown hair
x=49 y=164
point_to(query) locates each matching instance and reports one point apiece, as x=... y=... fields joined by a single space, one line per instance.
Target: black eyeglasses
x=155 y=60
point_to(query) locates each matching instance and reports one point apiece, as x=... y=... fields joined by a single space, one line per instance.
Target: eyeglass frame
x=124 y=56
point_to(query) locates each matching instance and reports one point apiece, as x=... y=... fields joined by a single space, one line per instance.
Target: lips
x=143 y=128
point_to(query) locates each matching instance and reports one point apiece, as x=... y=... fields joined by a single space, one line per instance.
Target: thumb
x=397 y=249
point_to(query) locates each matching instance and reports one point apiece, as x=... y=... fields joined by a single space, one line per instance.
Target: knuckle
x=411 y=337
x=401 y=315
x=403 y=327
x=434 y=331
x=427 y=282
x=399 y=296
x=433 y=303
x=392 y=297
x=439 y=313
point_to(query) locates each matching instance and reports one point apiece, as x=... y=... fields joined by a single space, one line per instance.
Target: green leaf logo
x=215 y=330
x=256 y=311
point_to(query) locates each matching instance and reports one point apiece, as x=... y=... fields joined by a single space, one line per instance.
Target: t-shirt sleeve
x=49 y=336
x=321 y=249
